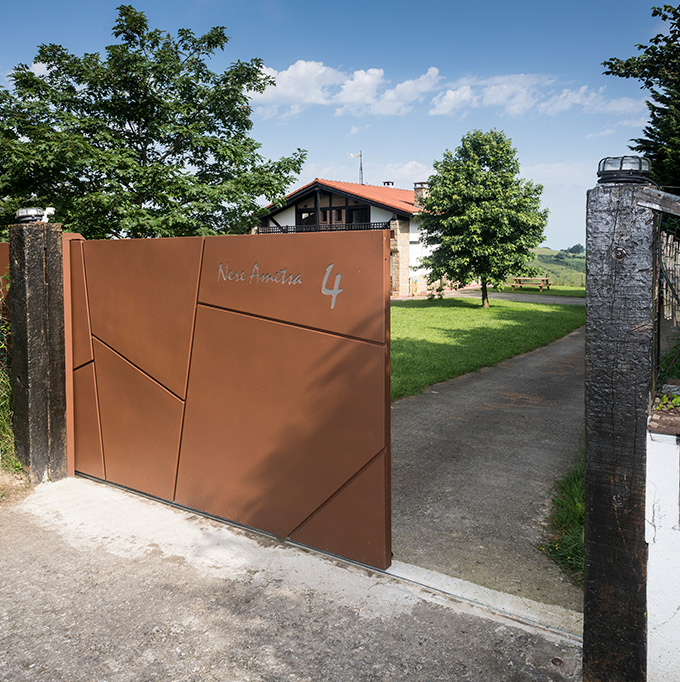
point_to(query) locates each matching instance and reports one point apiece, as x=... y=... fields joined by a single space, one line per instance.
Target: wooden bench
x=540 y=282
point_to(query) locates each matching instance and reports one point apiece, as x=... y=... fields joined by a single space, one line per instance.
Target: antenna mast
x=360 y=155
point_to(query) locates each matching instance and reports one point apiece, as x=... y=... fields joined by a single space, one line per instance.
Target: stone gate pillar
x=37 y=351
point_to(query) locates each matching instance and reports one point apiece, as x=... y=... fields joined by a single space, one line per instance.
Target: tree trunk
x=485 y=295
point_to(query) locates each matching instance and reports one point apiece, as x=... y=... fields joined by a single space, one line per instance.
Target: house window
x=358 y=215
x=306 y=218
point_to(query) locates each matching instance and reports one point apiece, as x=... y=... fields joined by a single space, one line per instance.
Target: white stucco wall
x=662 y=532
x=286 y=217
x=417 y=250
x=380 y=215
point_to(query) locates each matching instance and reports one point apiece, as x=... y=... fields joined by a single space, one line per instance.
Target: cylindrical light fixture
x=630 y=169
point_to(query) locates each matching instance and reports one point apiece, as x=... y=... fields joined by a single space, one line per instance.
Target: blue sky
x=403 y=81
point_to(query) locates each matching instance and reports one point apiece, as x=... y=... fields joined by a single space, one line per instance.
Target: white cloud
x=398 y=100
x=309 y=83
x=453 y=100
x=302 y=83
x=634 y=122
x=359 y=90
x=367 y=92
x=355 y=130
x=360 y=94
x=513 y=94
x=601 y=133
x=591 y=102
x=517 y=94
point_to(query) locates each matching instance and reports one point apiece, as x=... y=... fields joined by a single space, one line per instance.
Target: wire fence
x=668 y=306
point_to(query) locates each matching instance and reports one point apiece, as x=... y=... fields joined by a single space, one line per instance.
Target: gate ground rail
x=244 y=376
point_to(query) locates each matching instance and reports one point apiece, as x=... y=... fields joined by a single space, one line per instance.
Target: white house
x=324 y=205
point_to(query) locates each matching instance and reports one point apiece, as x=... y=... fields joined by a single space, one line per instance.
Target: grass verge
x=555 y=290
x=436 y=340
x=13 y=483
x=565 y=545
x=8 y=460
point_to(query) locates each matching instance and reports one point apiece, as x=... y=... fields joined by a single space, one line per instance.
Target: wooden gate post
x=619 y=377
x=37 y=352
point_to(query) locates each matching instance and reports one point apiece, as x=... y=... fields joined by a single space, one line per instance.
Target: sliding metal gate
x=244 y=376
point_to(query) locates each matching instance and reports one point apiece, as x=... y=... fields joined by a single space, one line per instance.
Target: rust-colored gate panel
x=4 y=273
x=355 y=521
x=283 y=421
x=4 y=259
x=246 y=377
x=142 y=295
x=263 y=276
x=88 y=442
x=141 y=423
x=81 y=330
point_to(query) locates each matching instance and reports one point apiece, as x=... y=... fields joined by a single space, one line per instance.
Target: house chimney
x=420 y=191
x=388 y=183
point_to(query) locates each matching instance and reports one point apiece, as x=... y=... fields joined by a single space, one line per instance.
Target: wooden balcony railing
x=343 y=227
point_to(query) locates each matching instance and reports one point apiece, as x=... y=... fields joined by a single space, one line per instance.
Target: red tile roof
x=397 y=199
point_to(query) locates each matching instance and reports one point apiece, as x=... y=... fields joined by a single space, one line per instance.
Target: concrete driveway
x=474 y=463
x=99 y=584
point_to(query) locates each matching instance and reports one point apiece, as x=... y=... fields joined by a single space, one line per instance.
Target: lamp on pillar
x=629 y=169
x=33 y=214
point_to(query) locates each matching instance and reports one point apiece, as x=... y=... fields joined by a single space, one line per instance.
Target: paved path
x=474 y=460
x=100 y=584
x=525 y=298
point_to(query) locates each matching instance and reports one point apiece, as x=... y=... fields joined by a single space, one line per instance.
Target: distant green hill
x=561 y=268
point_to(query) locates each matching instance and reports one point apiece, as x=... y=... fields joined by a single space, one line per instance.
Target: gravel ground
x=99 y=584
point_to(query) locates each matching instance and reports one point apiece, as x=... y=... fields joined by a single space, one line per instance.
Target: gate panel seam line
x=295 y=325
x=67 y=267
x=189 y=363
x=388 y=392
x=85 y=364
x=99 y=417
x=94 y=367
x=80 y=239
x=326 y=502
x=139 y=369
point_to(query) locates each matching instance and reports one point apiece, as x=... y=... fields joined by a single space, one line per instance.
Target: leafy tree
x=146 y=142
x=577 y=249
x=481 y=219
x=658 y=68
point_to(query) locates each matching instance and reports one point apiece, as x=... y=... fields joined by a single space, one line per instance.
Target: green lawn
x=555 y=290
x=436 y=340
